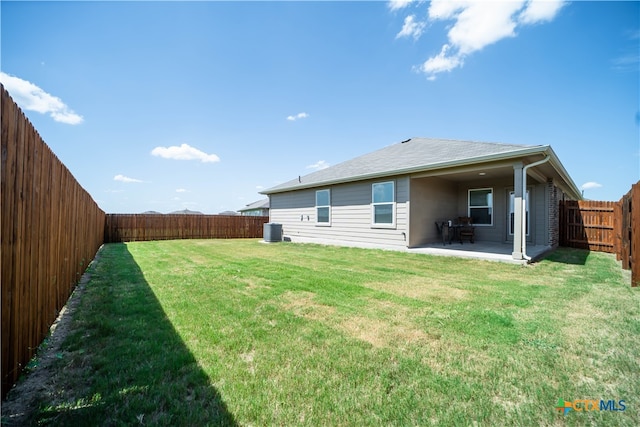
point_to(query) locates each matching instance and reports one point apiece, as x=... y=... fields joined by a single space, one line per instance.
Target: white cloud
x=319 y=165
x=184 y=152
x=30 y=97
x=411 y=28
x=297 y=116
x=440 y=63
x=590 y=185
x=627 y=62
x=398 y=4
x=483 y=23
x=540 y=11
x=630 y=60
x=123 y=178
x=259 y=187
x=478 y=24
x=181 y=190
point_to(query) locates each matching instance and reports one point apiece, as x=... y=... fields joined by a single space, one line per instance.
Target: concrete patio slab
x=490 y=251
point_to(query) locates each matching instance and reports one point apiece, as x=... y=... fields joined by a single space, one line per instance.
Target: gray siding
x=497 y=232
x=432 y=199
x=351 y=214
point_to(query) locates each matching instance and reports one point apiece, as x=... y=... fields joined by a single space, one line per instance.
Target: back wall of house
x=351 y=214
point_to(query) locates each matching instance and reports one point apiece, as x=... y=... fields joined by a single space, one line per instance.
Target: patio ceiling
x=492 y=171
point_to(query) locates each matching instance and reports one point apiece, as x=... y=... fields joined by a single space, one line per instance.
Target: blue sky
x=165 y=106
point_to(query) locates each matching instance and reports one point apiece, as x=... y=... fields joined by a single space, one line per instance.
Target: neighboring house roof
x=418 y=155
x=260 y=204
x=186 y=212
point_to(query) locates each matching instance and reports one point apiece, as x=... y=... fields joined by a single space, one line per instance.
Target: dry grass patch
x=581 y=324
x=422 y=288
x=447 y=357
x=380 y=333
x=384 y=324
x=302 y=304
x=252 y=285
x=510 y=400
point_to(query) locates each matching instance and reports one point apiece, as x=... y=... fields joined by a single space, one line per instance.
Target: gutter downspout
x=524 y=204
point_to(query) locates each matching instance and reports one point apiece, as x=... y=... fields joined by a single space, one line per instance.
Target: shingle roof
x=260 y=204
x=407 y=157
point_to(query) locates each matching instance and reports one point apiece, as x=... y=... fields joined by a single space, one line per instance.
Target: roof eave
x=540 y=149
x=571 y=187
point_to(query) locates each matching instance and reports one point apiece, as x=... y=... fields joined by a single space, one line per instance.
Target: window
x=383 y=204
x=323 y=207
x=481 y=206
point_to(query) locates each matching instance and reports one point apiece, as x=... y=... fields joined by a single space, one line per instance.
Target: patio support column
x=517 y=211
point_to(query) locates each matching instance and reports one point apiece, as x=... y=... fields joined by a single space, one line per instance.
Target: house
x=395 y=195
x=259 y=208
x=186 y=212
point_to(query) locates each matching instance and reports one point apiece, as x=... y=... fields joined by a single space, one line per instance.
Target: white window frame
x=392 y=224
x=328 y=207
x=490 y=207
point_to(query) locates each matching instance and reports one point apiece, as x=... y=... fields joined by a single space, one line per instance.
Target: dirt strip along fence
x=51 y=229
x=611 y=227
x=141 y=227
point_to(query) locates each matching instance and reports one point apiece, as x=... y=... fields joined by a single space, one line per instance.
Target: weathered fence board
x=631 y=233
x=50 y=230
x=141 y=227
x=635 y=238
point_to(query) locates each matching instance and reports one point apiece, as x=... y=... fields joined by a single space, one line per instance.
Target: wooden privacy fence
x=605 y=227
x=627 y=243
x=51 y=229
x=140 y=227
x=587 y=225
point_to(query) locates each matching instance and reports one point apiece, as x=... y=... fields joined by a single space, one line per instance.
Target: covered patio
x=513 y=205
x=490 y=251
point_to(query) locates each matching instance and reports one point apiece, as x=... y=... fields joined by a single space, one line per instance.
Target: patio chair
x=466 y=229
x=444 y=232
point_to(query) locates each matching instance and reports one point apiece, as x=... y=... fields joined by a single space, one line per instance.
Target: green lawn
x=198 y=332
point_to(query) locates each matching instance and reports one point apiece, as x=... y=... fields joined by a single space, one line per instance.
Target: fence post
x=617 y=228
x=634 y=244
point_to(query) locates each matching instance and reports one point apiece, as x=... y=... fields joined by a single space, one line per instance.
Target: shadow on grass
x=567 y=255
x=123 y=362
